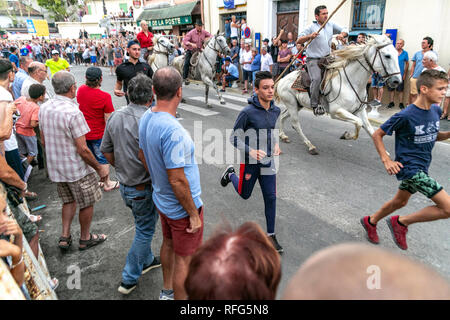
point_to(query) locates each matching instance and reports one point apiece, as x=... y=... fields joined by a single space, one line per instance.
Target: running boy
x=29 y=110
x=253 y=134
x=416 y=130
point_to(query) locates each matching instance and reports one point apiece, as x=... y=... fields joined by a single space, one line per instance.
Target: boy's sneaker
x=275 y=243
x=371 y=230
x=164 y=295
x=155 y=264
x=398 y=232
x=126 y=288
x=225 y=179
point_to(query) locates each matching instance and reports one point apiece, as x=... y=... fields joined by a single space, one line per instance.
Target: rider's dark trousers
x=187 y=63
x=316 y=78
x=248 y=174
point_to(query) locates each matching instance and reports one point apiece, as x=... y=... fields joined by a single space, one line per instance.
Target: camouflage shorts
x=29 y=228
x=423 y=183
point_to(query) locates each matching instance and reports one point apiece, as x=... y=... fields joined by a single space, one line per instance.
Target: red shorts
x=184 y=243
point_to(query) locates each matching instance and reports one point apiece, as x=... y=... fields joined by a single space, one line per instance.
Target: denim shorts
x=27 y=145
x=423 y=183
x=94 y=146
x=377 y=81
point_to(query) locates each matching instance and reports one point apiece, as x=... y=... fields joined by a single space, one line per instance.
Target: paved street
x=320 y=200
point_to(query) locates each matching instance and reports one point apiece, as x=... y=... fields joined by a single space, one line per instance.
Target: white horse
x=161 y=51
x=205 y=69
x=345 y=87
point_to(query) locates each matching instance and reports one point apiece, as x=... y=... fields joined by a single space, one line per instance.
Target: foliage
x=61 y=10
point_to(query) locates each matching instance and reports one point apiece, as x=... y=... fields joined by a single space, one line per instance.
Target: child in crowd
x=29 y=109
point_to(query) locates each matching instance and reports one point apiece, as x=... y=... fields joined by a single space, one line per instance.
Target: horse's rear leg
x=296 y=125
x=283 y=117
x=206 y=96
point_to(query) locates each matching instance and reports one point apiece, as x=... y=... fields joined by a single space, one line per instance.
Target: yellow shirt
x=56 y=66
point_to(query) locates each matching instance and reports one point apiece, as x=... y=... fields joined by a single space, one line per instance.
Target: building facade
x=411 y=21
x=175 y=17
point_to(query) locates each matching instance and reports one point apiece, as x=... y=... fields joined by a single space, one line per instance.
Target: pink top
x=196 y=37
x=28 y=111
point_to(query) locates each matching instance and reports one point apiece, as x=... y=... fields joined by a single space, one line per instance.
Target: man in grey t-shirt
x=320 y=47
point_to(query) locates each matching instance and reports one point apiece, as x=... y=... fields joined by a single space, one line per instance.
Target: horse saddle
x=303 y=81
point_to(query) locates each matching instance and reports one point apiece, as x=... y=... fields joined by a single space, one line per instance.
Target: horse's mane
x=352 y=52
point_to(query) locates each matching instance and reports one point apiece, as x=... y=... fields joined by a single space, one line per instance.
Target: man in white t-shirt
x=246 y=63
x=266 y=60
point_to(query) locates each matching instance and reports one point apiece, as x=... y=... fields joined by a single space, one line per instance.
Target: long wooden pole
x=309 y=41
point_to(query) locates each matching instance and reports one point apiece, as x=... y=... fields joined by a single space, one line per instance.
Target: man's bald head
x=347 y=271
x=37 y=71
x=166 y=82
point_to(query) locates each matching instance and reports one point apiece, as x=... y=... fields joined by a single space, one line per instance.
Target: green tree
x=60 y=10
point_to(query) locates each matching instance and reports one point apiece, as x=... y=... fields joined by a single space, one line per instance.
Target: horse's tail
x=276 y=95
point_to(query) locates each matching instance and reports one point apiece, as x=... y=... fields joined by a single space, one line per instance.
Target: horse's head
x=383 y=58
x=220 y=44
x=166 y=44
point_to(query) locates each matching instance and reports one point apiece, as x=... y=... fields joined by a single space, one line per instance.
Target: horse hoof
x=183 y=100
x=222 y=102
x=344 y=136
x=313 y=152
x=286 y=140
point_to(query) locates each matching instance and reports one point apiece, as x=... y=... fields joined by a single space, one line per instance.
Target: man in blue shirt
x=417 y=67
x=253 y=134
x=169 y=155
x=416 y=130
x=256 y=65
x=21 y=75
x=403 y=62
x=232 y=74
x=14 y=58
x=228 y=30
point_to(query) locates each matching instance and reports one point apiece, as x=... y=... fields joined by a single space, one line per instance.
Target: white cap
x=55 y=52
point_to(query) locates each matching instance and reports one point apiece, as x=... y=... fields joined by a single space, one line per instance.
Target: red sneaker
x=371 y=230
x=398 y=232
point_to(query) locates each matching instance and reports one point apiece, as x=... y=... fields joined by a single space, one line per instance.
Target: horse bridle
x=214 y=48
x=378 y=53
x=161 y=52
x=388 y=75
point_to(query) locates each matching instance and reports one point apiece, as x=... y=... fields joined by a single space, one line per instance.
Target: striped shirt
x=61 y=122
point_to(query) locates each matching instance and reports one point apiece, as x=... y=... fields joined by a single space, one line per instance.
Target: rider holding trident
x=193 y=41
x=319 y=48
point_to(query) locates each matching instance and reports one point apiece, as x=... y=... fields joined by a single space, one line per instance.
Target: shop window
x=368 y=15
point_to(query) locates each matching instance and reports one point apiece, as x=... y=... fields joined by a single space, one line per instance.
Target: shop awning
x=170 y=16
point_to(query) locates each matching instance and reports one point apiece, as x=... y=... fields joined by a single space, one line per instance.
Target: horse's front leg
x=347 y=116
x=366 y=123
x=211 y=83
x=206 y=96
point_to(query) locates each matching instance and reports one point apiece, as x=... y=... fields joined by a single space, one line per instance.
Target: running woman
x=253 y=134
x=416 y=131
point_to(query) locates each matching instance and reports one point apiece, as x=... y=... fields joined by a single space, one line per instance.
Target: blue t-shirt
x=24 y=52
x=227 y=30
x=402 y=58
x=256 y=64
x=418 y=56
x=14 y=59
x=167 y=145
x=233 y=70
x=416 y=131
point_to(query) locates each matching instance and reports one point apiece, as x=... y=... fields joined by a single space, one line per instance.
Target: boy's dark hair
x=430 y=42
x=429 y=77
x=5 y=68
x=12 y=49
x=36 y=90
x=262 y=75
x=317 y=10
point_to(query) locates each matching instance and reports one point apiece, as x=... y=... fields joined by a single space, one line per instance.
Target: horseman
x=319 y=48
x=193 y=41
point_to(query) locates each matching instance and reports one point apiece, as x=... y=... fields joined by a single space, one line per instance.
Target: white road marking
x=217 y=102
x=242 y=99
x=197 y=110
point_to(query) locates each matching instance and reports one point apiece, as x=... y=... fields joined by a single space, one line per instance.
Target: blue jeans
x=145 y=218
